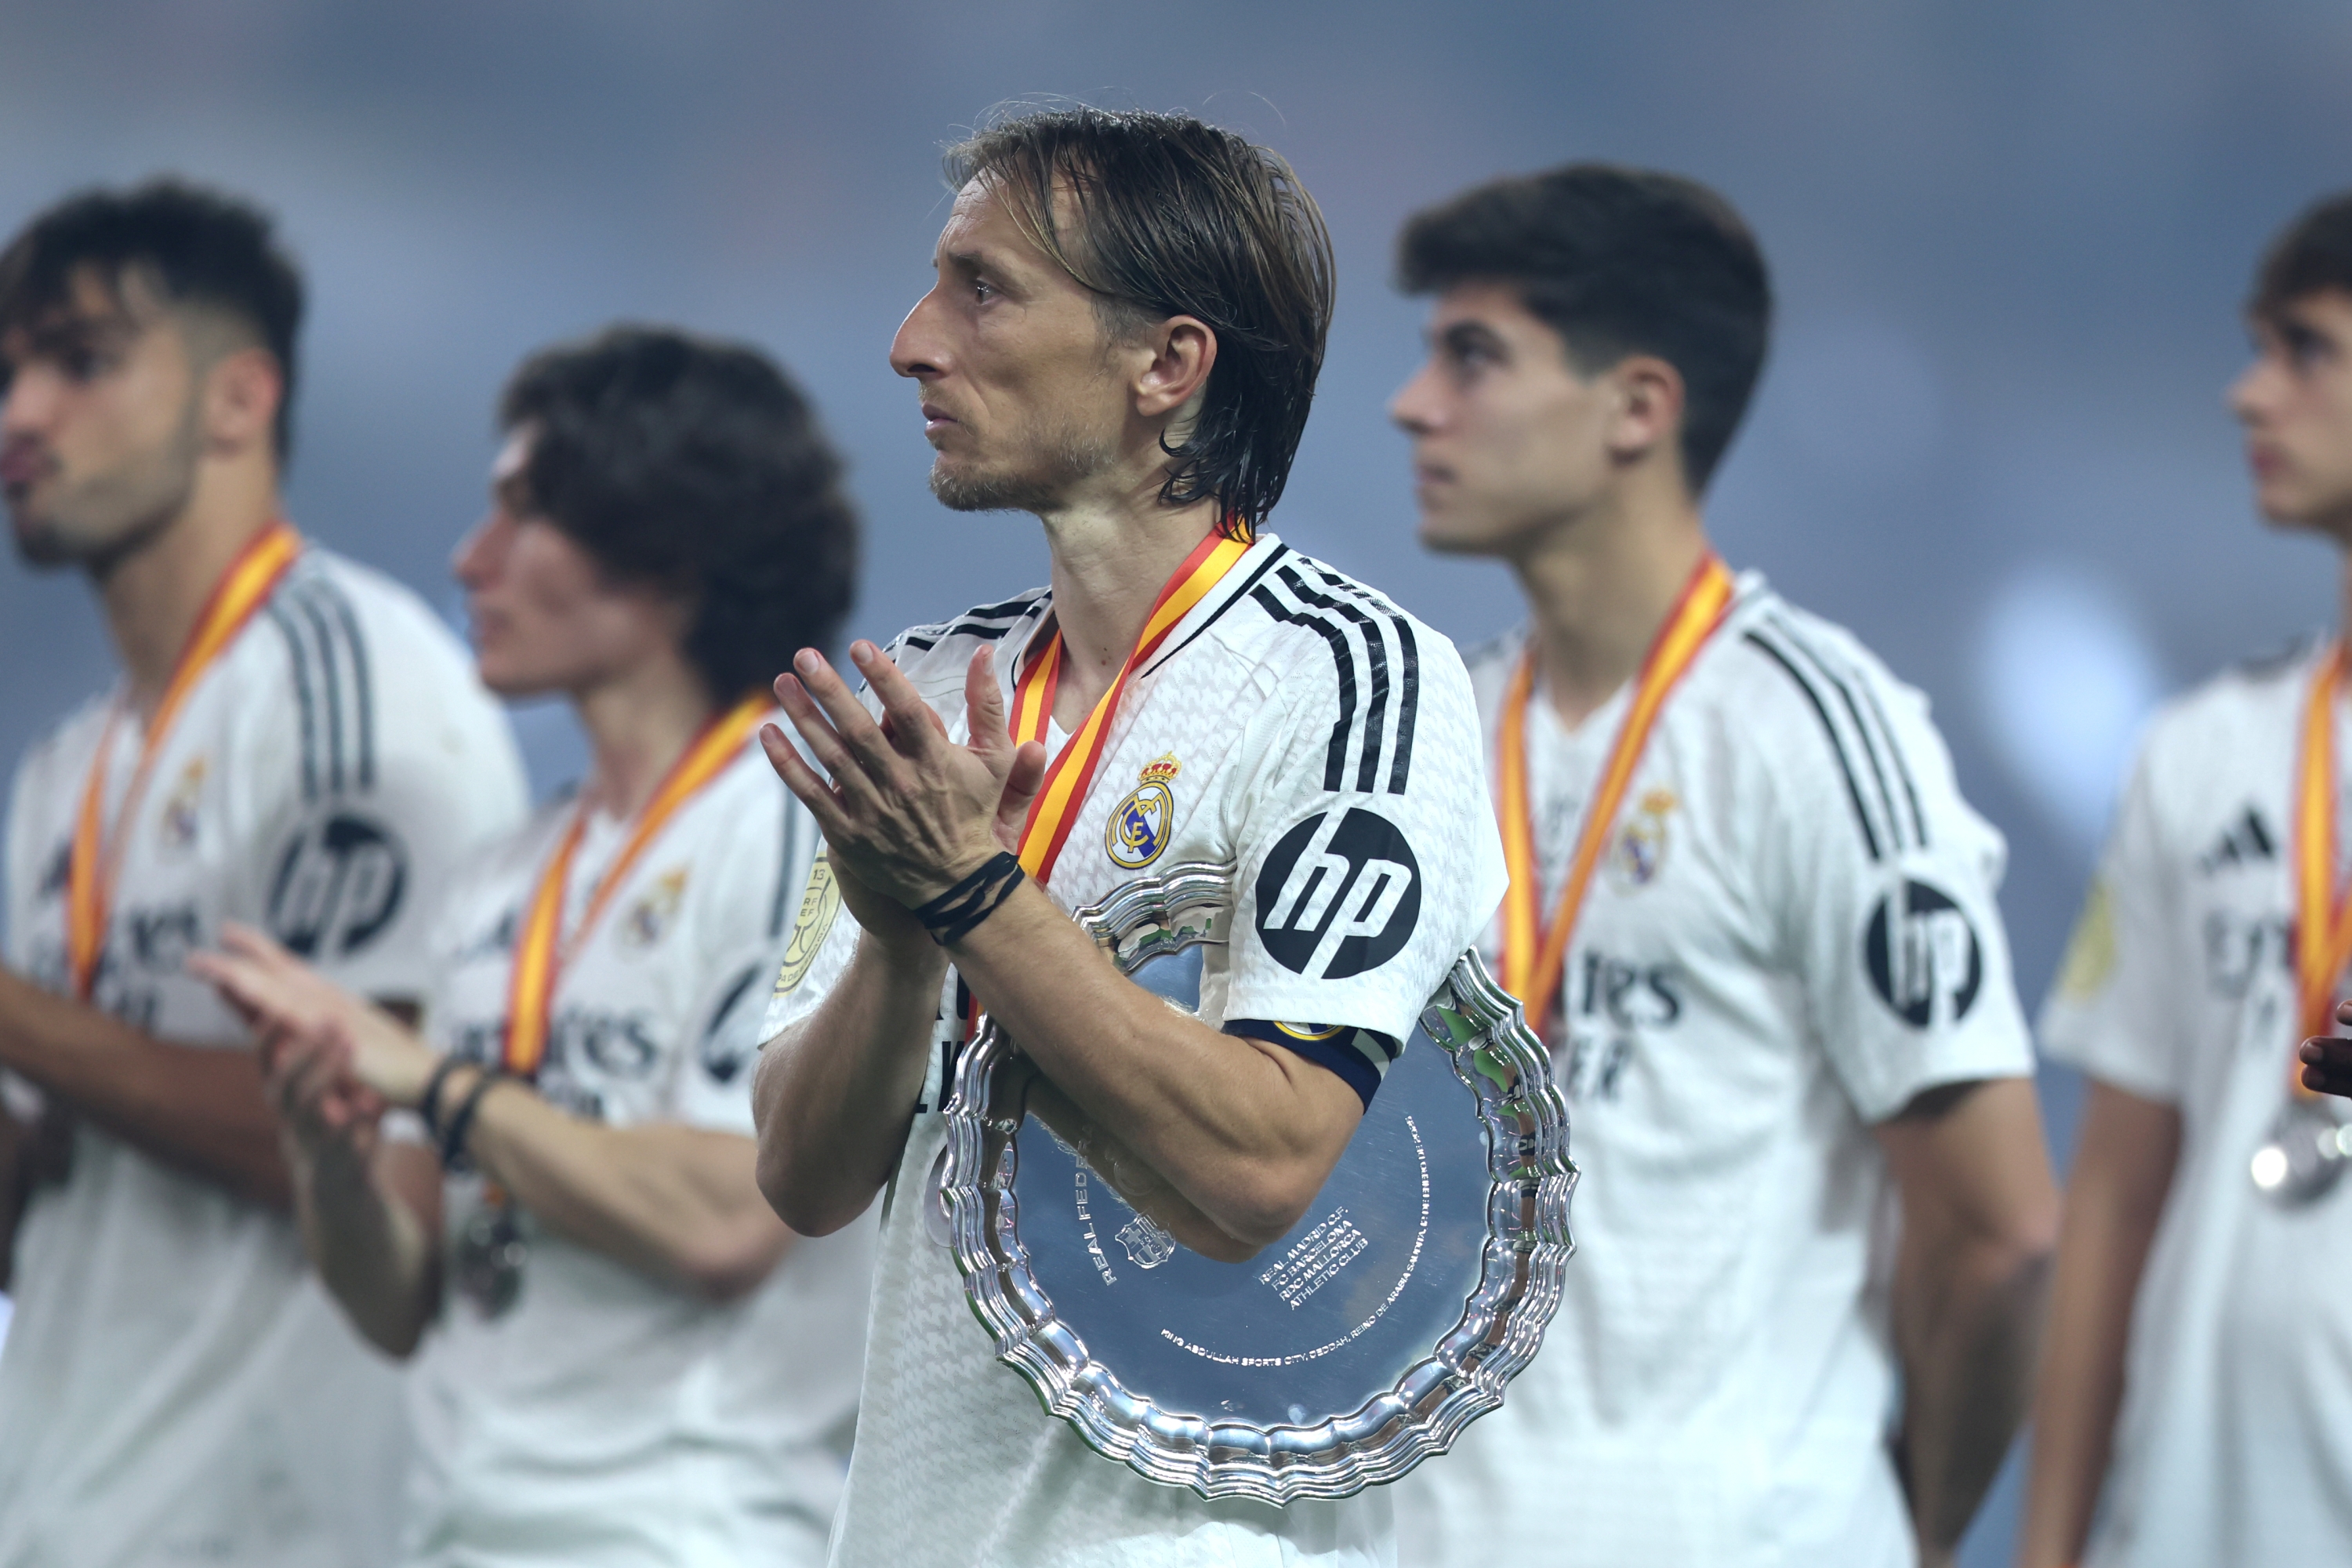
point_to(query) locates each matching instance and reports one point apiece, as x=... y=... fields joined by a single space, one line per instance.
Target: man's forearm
x=2122 y=1174
x=375 y=1253
x=1969 y=1319
x=834 y=1094
x=1244 y=1131
x=198 y=1107
x=677 y=1204
x=15 y=1147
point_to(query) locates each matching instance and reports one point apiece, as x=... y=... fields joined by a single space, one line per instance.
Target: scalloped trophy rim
x=1522 y=1270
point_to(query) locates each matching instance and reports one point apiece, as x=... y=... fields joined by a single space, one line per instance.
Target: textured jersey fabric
x=1792 y=932
x=175 y=1389
x=2235 y=1442
x=1325 y=744
x=609 y=1420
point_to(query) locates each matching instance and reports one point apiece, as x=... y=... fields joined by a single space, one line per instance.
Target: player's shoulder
x=1313 y=628
x=2247 y=698
x=1775 y=660
x=58 y=760
x=934 y=656
x=2244 y=717
x=1827 y=719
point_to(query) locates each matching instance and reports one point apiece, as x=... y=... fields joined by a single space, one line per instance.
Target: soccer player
x=1123 y=337
x=633 y=1361
x=2194 y=1397
x=1753 y=919
x=296 y=743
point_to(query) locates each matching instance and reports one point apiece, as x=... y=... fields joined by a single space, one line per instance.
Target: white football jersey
x=1320 y=739
x=607 y=1419
x=1792 y=932
x=176 y=1389
x=2235 y=1442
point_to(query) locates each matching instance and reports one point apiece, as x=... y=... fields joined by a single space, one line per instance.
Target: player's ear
x=1648 y=415
x=1182 y=351
x=240 y=396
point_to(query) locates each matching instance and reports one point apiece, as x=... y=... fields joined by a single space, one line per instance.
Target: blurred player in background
x=2196 y=1403
x=626 y=1358
x=1753 y=917
x=296 y=743
x=1123 y=339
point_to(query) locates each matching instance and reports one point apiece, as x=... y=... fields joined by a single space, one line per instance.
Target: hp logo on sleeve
x=1924 y=960
x=1339 y=894
x=337 y=887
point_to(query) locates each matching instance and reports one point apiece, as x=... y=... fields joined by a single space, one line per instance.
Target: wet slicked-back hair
x=1617 y=261
x=199 y=248
x=2311 y=255
x=1174 y=217
x=697 y=467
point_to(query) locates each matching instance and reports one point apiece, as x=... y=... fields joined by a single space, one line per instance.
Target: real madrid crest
x=649 y=919
x=182 y=807
x=1640 y=852
x=1140 y=824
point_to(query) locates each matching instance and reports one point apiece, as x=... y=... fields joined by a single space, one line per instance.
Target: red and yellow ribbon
x=2323 y=906
x=92 y=864
x=539 y=953
x=1533 y=955
x=1069 y=775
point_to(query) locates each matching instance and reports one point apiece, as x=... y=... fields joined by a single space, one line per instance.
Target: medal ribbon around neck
x=92 y=864
x=1068 y=776
x=539 y=953
x=1533 y=954
x=2323 y=907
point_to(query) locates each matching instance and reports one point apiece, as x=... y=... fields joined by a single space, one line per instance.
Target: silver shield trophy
x=1417 y=1285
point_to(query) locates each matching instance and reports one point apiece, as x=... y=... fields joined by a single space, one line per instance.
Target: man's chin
x=959 y=491
x=44 y=547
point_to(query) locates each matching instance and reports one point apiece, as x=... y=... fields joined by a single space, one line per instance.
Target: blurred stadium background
x=2009 y=240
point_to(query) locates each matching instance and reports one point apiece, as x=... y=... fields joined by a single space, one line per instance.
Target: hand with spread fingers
x=292 y=1008
x=2328 y=1060
x=908 y=812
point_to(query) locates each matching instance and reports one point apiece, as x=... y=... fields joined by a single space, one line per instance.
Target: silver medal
x=489 y=1257
x=2304 y=1155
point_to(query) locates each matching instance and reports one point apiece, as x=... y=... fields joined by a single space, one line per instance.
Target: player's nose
x=1413 y=408
x=916 y=349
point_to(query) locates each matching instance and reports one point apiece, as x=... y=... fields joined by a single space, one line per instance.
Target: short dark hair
x=199 y=247
x=2311 y=255
x=1179 y=217
x=1617 y=261
x=698 y=467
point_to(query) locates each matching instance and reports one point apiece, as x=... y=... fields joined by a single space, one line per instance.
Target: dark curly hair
x=2311 y=255
x=199 y=248
x=1617 y=261
x=698 y=467
x=1176 y=217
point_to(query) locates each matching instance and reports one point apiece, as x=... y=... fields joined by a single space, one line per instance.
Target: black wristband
x=950 y=916
x=428 y=1104
x=461 y=1121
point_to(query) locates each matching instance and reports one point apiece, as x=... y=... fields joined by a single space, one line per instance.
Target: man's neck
x=639 y=723
x=1599 y=587
x=1110 y=566
x=153 y=596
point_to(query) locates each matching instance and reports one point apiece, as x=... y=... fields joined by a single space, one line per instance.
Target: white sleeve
x=2125 y=985
x=348 y=865
x=1353 y=903
x=753 y=932
x=1886 y=883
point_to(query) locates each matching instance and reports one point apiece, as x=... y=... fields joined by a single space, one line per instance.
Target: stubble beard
x=1038 y=481
x=101 y=521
